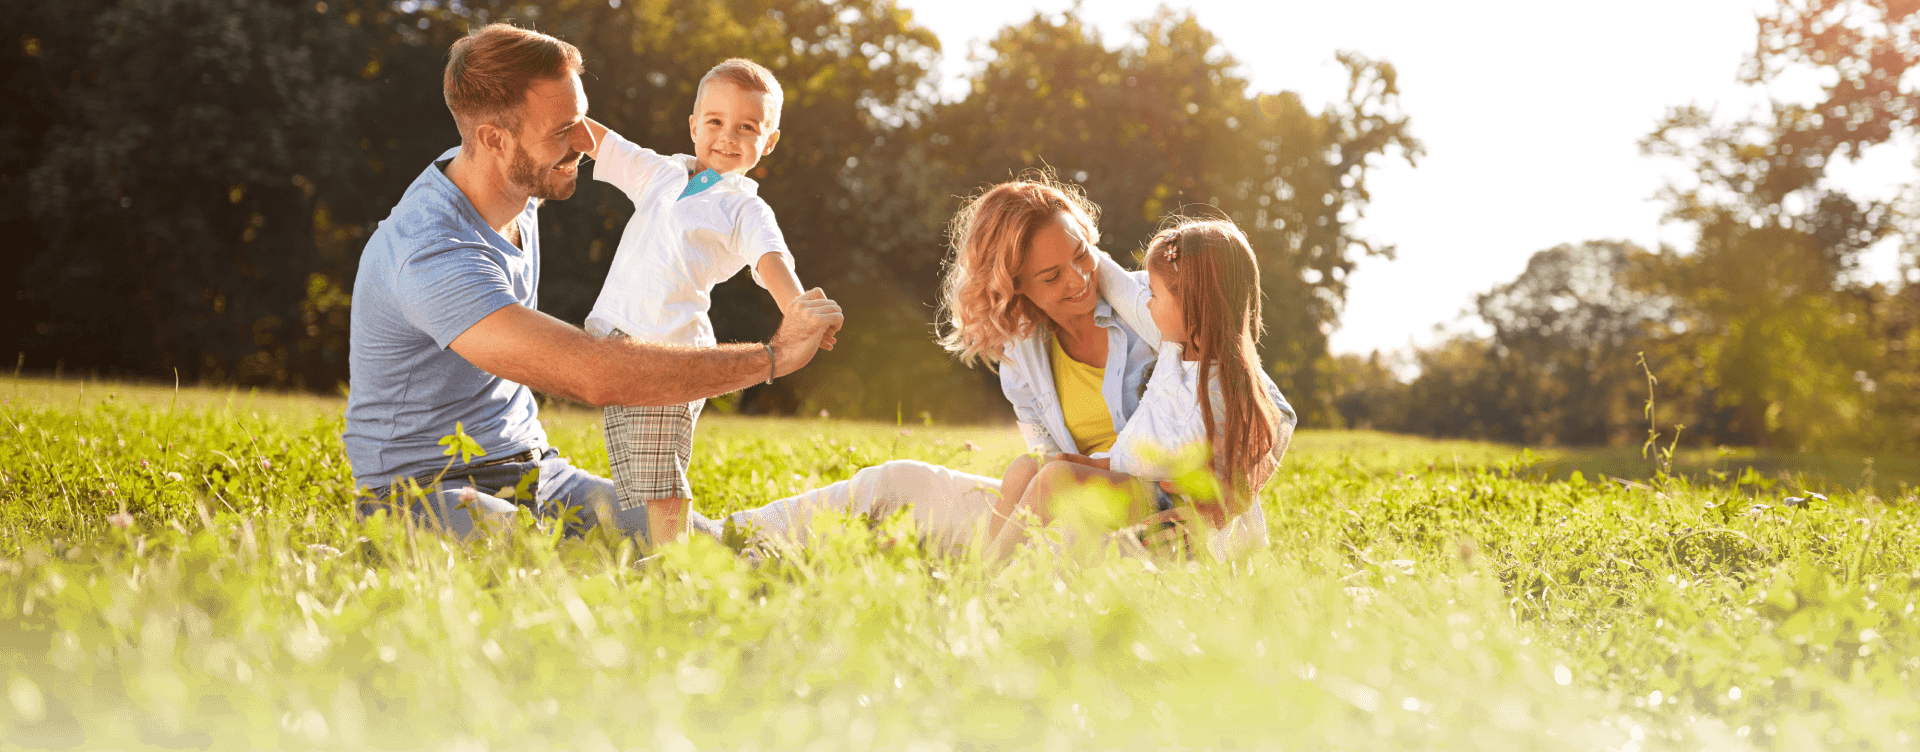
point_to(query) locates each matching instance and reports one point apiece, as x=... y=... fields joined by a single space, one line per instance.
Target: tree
x=171 y=174
x=1768 y=347
x=1565 y=332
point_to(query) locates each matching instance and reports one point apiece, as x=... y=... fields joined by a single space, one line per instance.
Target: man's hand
x=808 y=324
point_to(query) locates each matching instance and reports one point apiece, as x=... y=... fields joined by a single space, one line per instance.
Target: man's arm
x=526 y=346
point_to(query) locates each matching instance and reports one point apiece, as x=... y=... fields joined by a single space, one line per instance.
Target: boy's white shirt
x=1169 y=418
x=674 y=251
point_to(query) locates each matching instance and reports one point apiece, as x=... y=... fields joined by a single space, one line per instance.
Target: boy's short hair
x=747 y=75
x=490 y=70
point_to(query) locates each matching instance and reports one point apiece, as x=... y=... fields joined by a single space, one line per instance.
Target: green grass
x=1417 y=595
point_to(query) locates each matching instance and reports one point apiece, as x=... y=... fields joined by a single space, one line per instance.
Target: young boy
x=696 y=221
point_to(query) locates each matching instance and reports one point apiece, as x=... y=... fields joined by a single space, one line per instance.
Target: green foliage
x=193 y=180
x=1762 y=333
x=1407 y=601
x=191 y=174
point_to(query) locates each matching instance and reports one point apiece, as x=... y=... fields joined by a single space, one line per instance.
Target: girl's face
x=1164 y=306
x=1058 y=273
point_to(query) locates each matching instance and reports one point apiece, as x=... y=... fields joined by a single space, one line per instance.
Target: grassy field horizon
x=182 y=571
x=1372 y=451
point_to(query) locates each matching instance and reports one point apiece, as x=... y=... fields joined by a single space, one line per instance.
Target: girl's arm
x=1128 y=293
x=1103 y=463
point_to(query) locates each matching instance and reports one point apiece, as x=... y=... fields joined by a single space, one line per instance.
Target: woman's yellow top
x=1078 y=386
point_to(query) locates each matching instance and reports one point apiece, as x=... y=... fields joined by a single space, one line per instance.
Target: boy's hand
x=810 y=320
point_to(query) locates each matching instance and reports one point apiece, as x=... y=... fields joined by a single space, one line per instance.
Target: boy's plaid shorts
x=649 y=449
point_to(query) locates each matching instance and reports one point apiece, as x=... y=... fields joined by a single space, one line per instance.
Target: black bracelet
x=769 y=346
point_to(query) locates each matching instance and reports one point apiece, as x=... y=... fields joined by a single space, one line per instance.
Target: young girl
x=1202 y=307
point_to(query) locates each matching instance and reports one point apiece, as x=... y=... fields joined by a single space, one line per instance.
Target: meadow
x=180 y=570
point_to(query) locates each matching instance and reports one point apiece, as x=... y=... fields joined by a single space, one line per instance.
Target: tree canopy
x=195 y=178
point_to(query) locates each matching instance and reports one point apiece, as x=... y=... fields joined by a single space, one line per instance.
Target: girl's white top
x=1169 y=418
x=674 y=251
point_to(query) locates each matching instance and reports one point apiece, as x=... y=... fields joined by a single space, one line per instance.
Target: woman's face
x=1058 y=274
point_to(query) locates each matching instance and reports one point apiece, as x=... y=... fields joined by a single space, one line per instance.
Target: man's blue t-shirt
x=433 y=269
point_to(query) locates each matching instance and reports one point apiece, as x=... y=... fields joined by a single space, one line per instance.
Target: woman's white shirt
x=1026 y=378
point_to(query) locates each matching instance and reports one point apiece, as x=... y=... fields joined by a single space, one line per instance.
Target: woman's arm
x=1015 y=387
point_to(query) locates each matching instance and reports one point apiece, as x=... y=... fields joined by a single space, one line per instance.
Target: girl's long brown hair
x=1209 y=266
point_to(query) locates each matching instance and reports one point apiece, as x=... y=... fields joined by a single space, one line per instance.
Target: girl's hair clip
x=1173 y=250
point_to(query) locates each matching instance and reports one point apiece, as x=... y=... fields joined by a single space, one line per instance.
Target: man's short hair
x=490 y=70
x=749 y=76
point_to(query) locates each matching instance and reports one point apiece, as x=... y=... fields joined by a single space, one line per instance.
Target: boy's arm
x=783 y=285
x=599 y=136
x=626 y=166
x=779 y=278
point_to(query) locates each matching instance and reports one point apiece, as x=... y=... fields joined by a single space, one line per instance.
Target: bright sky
x=1531 y=114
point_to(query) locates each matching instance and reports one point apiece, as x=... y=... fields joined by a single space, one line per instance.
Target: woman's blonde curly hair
x=981 y=307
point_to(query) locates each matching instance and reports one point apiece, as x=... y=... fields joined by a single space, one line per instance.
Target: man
x=446 y=334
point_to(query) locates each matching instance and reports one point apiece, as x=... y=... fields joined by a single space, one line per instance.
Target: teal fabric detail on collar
x=701 y=182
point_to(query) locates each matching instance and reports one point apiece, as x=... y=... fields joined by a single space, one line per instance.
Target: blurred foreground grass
x=1418 y=594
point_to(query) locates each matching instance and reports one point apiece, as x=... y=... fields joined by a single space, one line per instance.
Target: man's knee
x=458 y=510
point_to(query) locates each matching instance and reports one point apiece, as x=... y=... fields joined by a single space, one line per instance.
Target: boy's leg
x=648 y=450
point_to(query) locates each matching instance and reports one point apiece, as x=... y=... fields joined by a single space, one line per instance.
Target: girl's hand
x=1080 y=459
x=1182 y=530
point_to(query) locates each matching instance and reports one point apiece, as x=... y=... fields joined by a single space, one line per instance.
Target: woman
x=1023 y=292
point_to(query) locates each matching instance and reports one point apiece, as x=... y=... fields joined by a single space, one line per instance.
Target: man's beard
x=540 y=182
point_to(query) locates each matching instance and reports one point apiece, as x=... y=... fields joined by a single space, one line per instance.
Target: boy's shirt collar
x=701 y=182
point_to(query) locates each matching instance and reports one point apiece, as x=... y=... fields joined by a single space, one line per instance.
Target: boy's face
x=730 y=128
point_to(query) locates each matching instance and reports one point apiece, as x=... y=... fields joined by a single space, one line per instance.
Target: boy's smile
x=730 y=129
